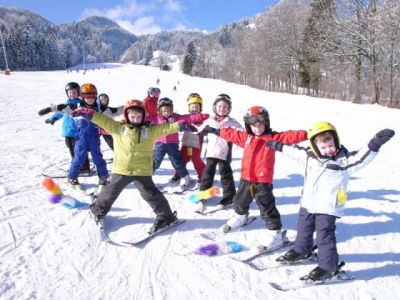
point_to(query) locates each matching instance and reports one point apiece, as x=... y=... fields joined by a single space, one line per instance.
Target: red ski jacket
x=258 y=160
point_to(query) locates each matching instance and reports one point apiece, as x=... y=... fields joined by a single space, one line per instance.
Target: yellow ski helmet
x=318 y=128
x=195 y=98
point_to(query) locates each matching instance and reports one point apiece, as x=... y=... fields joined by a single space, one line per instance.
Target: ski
x=102 y=233
x=260 y=267
x=258 y=251
x=214 y=209
x=305 y=281
x=146 y=236
x=176 y=189
x=60 y=174
x=214 y=235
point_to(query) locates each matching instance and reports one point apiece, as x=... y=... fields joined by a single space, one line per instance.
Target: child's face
x=103 y=100
x=222 y=108
x=326 y=147
x=258 y=128
x=166 y=111
x=72 y=94
x=90 y=99
x=134 y=116
x=194 y=108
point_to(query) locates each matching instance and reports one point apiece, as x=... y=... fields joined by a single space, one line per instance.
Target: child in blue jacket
x=87 y=138
x=68 y=128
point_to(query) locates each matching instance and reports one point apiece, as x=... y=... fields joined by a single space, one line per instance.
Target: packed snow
x=50 y=252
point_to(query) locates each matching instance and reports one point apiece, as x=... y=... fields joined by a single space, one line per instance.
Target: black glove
x=50 y=121
x=208 y=129
x=44 y=111
x=277 y=146
x=61 y=107
x=185 y=127
x=380 y=138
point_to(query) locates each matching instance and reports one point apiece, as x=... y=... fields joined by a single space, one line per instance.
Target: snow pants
x=160 y=149
x=324 y=226
x=192 y=154
x=70 y=143
x=262 y=193
x=226 y=174
x=146 y=188
x=88 y=139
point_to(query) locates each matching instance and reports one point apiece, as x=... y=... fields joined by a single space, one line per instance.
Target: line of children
x=110 y=112
x=328 y=167
x=87 y=138
x=133 y=160
x=170 y=144
x=191 y=142
x=219 y=152
x=257 y=170
x=68 y=127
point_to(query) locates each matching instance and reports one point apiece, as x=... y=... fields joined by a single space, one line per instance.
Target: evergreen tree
x=314 y=43
x=189 y=58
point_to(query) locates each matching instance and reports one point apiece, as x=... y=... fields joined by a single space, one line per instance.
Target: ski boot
x=161 y=223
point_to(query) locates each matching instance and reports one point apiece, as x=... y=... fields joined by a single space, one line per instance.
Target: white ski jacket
x=326 y=179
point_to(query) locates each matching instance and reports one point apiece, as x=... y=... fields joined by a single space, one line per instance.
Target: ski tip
x=276 y=286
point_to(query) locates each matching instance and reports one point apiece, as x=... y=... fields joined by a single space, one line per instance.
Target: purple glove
x=87 y=113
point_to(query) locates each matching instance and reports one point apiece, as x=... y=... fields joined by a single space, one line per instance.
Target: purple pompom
x=209 y=250
x=54 y=199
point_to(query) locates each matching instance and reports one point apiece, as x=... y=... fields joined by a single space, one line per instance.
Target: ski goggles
x=88 y=95
x=259 y=118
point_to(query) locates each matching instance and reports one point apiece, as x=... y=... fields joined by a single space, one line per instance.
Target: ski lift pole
x=4 y=48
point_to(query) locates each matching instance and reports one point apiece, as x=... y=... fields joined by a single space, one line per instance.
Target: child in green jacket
x=133 y=160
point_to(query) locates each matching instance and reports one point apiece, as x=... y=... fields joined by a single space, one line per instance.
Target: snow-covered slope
x=49 y=252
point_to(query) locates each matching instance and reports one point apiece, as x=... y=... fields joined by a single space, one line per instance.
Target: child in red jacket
x=257 y=170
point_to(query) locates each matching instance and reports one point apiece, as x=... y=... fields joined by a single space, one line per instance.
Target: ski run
x=50 y=252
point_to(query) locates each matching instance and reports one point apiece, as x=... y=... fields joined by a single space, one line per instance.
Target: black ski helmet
x=165 y=102
x=72 y=86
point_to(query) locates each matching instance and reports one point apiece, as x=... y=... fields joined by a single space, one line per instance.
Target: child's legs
x=159 y=152
x=153 y=197
x=176 y=159
x=185 y=159
x=97 y=156
x=305 y=230
x=243 y=198
x=227 y=182
x=109 y=194
x=328 y=257
x=207 y=179
x=70 y=142
x=266 y=203
x=198 y=163
x=80 y=156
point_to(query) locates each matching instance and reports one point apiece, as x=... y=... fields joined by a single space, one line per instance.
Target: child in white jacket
x=328 y=168
x=219 y=152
